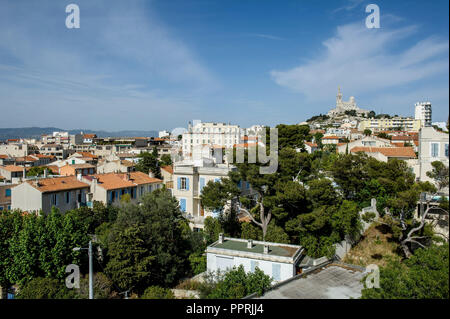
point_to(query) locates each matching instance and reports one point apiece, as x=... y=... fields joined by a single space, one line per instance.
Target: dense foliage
x=423 y=276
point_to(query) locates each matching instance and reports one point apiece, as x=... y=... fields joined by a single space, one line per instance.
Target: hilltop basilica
x=342 y=106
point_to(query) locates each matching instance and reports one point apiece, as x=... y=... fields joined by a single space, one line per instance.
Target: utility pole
x=91 y=272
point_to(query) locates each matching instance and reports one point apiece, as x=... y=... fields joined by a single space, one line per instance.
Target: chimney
x=266 y=249
x=221 y=238
x=78 y=176
x=45 y=173
x=127 y=176
x=151 y=174
x=250 y=243
x=24 y=173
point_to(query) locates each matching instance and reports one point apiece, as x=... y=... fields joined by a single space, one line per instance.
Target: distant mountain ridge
x=36 y=132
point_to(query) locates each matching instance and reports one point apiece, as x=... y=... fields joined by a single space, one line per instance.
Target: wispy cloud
x=365 y=60
x=121 y=62
x=263 y=36
x=350 y=5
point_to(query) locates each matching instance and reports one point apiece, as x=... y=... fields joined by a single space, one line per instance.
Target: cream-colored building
x=64 y=193
x=433 y=146
x=366 y=141
x=109 y=188
x=385 y=124
x=189 y=181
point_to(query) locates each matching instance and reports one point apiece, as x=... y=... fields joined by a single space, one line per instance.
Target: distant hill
x=36 y=132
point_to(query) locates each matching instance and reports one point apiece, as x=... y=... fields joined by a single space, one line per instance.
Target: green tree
x=149 y=162
x=423 y=276
x=367 y=132
x=156 y=292
x=147 y=244
x=166 y=160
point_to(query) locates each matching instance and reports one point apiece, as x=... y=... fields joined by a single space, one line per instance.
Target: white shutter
x=224 y=263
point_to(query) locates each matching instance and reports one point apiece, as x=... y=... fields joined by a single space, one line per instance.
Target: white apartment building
x=210 y=134
x=279 y=261
x=385 y=124
x=423 y=113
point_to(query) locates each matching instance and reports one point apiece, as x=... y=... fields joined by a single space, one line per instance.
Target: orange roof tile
x=168 y=168
x=387 y=151
x=56 y=184
x=86 y=154
x=111 y=181
x=13 y=168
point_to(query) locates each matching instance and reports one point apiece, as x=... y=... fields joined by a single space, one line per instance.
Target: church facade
x=342 y=106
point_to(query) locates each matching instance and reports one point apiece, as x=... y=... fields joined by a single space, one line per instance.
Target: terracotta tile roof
x=44 y=156
x=86 y=154
x=245 y=145
x=56 y=184
x=311 y=144
x=168 y=168
x=398 y=144
x=89 y=135
x=404 y=138
x=330 y=138
x=75 y=166
x=416 y=143
x=4 y=156
x=387 y=151
x=110 y=181
x=26 y=159
x=12 y=168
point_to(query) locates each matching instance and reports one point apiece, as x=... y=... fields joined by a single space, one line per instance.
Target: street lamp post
x=91 y=269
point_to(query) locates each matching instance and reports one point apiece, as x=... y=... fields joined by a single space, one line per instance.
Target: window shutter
x=179 y=183
x=187 y=184
x=183 y=204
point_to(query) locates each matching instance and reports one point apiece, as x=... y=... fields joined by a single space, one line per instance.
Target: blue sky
x=155 y=65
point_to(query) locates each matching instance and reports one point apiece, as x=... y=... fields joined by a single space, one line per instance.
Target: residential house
x=56 y=150
x=189 y=179
x=77 y=169
x=279 y=261
x=5 y=195
x=167 y=176
x=386 y=153
x=64 y=193
x=433 y=146
x=109 y=188
x=366 y=141
x=12 y=173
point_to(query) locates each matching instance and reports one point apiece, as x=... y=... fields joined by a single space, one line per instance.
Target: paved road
x=332 y=282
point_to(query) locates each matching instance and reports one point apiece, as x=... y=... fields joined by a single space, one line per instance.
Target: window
x=183 y=204
x=276 y=272
x=67 y=197
x=253 y=265
x=54 y=199
x=434 y=149
x=446 y=150
x=183 y=183
x=202 y=183
x=8 y=192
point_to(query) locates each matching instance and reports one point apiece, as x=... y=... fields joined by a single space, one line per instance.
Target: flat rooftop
x=331 y=282
x=258 y=248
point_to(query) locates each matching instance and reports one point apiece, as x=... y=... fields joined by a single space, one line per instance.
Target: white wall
x=286 y=270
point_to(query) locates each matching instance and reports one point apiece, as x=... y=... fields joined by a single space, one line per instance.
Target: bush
x=197 y=262
x=156 y=292
x=235 y=284
x=45 y=288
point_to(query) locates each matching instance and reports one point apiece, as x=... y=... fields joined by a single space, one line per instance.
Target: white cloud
x=363 y=60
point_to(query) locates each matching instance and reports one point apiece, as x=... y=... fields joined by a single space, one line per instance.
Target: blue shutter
x=276 y=272
x=8 y=192
x=183 y=204
x=179 y=183
x=202 y=183
x=240 y=184
x=187 y=183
